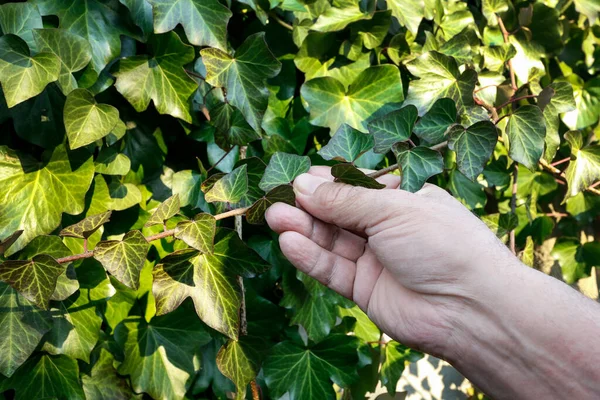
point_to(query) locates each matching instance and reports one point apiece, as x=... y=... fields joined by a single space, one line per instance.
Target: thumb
x=350 y=207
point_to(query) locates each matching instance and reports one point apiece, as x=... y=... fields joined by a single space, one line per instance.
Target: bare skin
x=431 y=275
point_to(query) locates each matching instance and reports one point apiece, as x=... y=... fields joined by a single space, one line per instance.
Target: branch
x=394 y=167
x=561 y=174
x=162 y=235
x=280 y=21
x=513 y=208
x=505 y=35
x=513 y=100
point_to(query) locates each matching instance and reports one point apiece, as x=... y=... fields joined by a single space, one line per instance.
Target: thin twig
x=513 y=207
x=220 y=159
x=255 y=390
x=238 y=228
x=514 y=100
x=161 y=235
x=505 y=35
x=484 y=87
x=280 y=21
x=195 y=74
x=564 y=160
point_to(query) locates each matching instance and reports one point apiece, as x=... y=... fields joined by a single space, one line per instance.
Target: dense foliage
x=136 y=133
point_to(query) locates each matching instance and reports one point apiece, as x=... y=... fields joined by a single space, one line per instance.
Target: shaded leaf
x=84 y=228
x=393 y=128
x=232 y=128
x=238 y=360
x=396 y=356
x=280 y=194
x=8 y=241
x=473 y=146
x=103 y=383
x=349 y=174
x=282 y=169
x=417 y=165
x=164 y=211
x=347 y=144
x=20 y=19
x=432 y=127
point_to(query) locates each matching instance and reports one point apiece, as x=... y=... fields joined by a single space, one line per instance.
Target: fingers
x=282 y=217
x=353 y=208
x=389 y=180
x=334 y=271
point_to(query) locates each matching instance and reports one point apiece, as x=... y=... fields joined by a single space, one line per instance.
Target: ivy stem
x=564 y=160
x=484 y=87
x=162 y=235
x=220 y=159
x=238 y=228
x=85 y=245
x=394 y=167
x=505 y=35
x=529 y=96
x=195 y=75
x=513 y=207
x=281 y=22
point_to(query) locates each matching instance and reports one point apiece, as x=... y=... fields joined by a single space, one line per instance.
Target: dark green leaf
x=417 y=165
x=20 y=19
x=282 y=169
x=232 y=128
x=393 y=128
x=281 y=194
x=84 y=228
x=349 y=174
x=396 y=356
x=432 y=127
x=473 y=146
x=103 y=383
x=526 y=130
x=346 y=145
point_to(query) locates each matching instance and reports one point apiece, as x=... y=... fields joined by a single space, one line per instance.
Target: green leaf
x=204 y=21
x=164 y=211
x=111 y=162
x=555 y=99
x=47 y=377
x=364 y=329
x=432 y=127
x=159 y=355
x=34 y=279
x=336 y=19
x=491 y=9
x=243 y=76
x=417 y=165
x=568 y=252
x=393 y=128
x=24 y=76
x=198 y=233
x=347 y=144
x=501 y=224
x=238 y=360
x=232 y=128
x=22 y=326
x=587 y=100
x=20 y=19
x=282 y=169
x=93 y=20
x=473 y=146
x=86 y=227
x=584 y=170
x=23 y=180
x=375 y=91
x=280 y=194
x=141 y=13
x=396 y=356
x=307 y=373
x=350 y=175
x=466 y=191
x=526 y=130
x=230 y=188
x=496 y=57
x=589 y=8
x=103 y=383
x=439 y=77
x=186 y=184
x=124 y=258
x=210 y=279
x=87 y=121
x=8 y=241
x=160 y=78
x=374 y=31
x=76 y=327
x=73 y=51
x=527 y=256
x=408 y=12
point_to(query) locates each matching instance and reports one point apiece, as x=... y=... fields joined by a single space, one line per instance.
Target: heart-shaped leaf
x=349 y=174
x=24 y=76
x=35 y=279
x=473 y=146
x=281 y=194
x=111 y=162
x=432 y=127
x=282 y=169
x=396 y=357
x=20 y=19
x=393 y=128
x=346 y=145
x=198 y=232
x=124 y=258
x=239 y=361
x=232 y=128
x=230 y=188
x=417 y=165
x=526 y=130
x=164 y=211
x=584 y=170
x=86 y=227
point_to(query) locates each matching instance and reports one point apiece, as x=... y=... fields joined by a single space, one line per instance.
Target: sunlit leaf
x=282 y=169
x=84 y=228
x=349 y=174
x=230 y=188
x=198 y=233
x=526 y=130
x=584 y=170
x=473 y=146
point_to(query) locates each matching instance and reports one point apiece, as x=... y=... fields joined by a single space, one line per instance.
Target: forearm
x=530 y=336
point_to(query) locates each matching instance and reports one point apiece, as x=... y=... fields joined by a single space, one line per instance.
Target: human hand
x=413 y=262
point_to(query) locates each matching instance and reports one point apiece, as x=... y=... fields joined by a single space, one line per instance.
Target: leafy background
x=136 y=133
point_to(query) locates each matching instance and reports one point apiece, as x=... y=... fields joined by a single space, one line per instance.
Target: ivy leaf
x=230 y=188
x=527 y=256
x=282 y=169
x=408 y=12
x=432 y=127
x=584 y=170
x=124 y=258
x=350 y=175
x=501 y=224
x=337 y=18
x=243 y=76
x=24 y=76
x=439 y=77
x=396 y=356
x=20 y=19
x=256 y=169
x=466 y=191
x=568 y=252
x=307 y=373
x=347 y=144
x=364 y=328
x=141 y=13
x=375 y=91
x=64 y=186
x=95 y=21
x=159 y=355
x=198 y=233
x=164 y=211
x=86 y=227
x=555 y=99
x=160 y=78
x=22 y=326
x=232 y=128
x=417 y=165
x=35 y=279
x=473 y=146
x=238 y=360
x=204 y=21
x=587 y=100
x=491 y=9
x=103 y=381
x=46 y=377
x=393 y=128
x=76 y=327
x=210 y=279
x=526 y=130
x=111 y=162
x=74 y=53
x=281 y=194
x=8 y=241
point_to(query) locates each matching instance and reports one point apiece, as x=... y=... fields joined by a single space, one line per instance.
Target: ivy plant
x=142 y=141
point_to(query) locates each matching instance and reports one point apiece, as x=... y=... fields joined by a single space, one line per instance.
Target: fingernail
x=306 y=184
